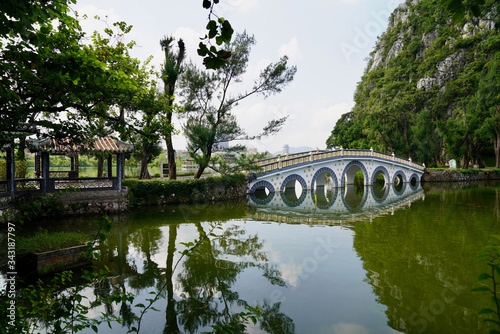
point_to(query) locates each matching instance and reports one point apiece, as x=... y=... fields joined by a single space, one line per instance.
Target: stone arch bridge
x=314 y=169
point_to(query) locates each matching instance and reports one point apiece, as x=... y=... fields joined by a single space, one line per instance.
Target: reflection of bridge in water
x=334 y=206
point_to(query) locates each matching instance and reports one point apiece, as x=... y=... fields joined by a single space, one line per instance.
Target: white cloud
x=290 y=273
x=291 y=49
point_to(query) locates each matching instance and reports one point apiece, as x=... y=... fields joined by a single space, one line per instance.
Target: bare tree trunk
x=172 y=168
x=144 y=174
x=100 y=166
x=199 y=172
x=205 y=162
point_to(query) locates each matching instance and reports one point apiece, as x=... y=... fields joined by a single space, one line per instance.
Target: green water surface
x=385 y=264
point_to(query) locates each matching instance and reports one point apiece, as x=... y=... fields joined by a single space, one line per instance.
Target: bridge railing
x=299 y=158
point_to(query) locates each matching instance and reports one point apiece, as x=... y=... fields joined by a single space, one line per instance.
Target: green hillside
x=431 y=89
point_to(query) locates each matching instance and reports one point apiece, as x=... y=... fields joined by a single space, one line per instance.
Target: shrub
x=143 y=192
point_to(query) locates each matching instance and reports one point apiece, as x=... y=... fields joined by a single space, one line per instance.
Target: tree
x=147 y=128
x=53 y=82
x=209 y=104
x=347 y=133
x=488 y=97
x=171 y=70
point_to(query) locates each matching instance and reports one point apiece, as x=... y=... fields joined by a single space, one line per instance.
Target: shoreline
x=454 y=175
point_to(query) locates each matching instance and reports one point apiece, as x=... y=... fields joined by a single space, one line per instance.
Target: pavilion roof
x=64 y=146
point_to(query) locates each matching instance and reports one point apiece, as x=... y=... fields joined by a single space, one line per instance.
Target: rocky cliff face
x=444 y=70
x=423 y=91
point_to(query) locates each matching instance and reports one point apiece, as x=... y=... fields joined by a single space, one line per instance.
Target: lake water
x=355 y=261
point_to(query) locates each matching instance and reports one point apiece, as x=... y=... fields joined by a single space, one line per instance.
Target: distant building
x=286 y=149
x=189 y=164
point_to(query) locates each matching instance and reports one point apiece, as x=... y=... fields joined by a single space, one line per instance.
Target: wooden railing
x=271 y=164
x=23 y=186
x=58 y=174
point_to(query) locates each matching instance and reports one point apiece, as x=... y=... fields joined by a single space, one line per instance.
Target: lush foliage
x=430 y=88
x=186 y=191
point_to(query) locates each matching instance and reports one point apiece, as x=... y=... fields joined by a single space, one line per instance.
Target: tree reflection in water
x=208 y=276
x=199 y=292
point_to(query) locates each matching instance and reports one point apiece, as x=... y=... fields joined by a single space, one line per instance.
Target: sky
x=328 y=40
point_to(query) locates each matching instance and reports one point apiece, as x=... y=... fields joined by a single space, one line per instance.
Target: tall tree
x=147 y=128
x=171 y=70
x=209 y=103
x=488 y=96
x=54 y=83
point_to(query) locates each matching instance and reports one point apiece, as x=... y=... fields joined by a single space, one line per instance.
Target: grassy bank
x=45 y=241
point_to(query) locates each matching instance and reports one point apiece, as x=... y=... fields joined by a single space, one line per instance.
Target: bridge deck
x=275 y=163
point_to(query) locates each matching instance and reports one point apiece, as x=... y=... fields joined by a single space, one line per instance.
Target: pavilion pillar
x=10 y=164
x=37 y=165
x=45 y=171
x=77 y=166
x=110 y=165
x=119 y=162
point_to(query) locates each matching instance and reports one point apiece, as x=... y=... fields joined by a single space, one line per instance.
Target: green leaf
x=483 y=276
x=202 y=49
x=140 y=305
x=481 y=288
x=94 y=328
x=212 y=29
x=207 y=4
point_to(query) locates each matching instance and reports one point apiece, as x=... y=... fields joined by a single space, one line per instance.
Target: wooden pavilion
x=47 y=181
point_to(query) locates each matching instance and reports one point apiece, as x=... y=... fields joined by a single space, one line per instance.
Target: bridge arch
x=262 y=192
x=399 y=189
x=324 y=201
x=380 y=195
x=398 y=177
x=293 y=179
x=260 y=185
x=380 y=170
x=291 y=199
x=414 y=179
x=320 y=175
x=350 y=171
x=351 y=200
x=262 y=201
